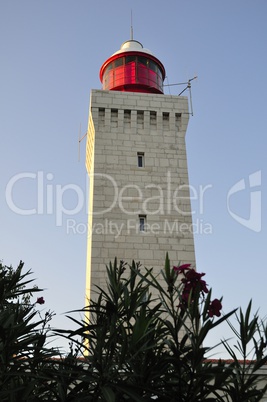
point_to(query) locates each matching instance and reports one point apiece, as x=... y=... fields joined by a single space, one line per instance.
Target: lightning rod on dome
x=131 y=33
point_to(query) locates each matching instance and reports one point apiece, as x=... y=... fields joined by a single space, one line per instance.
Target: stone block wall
x=139 y=195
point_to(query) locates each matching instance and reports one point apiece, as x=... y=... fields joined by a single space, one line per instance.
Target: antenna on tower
x=80 y=140
x=190 y=93
x=131 y=33
x=188 y=86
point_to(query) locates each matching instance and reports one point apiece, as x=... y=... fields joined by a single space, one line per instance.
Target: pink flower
x=182 y=268
x=214 y=308
x=192 y=280
x=40 y=300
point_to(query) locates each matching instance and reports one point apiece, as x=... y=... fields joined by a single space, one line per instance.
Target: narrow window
x=101 y=117
x=166 y=118
x=114 y=117
x=153 y=119
x=142 y=223
x=140 y=159
x=127 y=118
x=140 y=118
x=178 y=120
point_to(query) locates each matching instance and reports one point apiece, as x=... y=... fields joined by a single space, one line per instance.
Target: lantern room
x=133 y=69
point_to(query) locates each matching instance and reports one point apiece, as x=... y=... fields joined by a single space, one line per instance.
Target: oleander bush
x=23 y=333
x=141 y=339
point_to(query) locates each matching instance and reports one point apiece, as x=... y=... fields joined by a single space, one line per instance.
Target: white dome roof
x=132 y=46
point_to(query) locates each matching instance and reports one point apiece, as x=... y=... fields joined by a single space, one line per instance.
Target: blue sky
x=51 y=53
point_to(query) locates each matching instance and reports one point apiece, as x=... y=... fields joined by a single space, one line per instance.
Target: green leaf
x=108 y=394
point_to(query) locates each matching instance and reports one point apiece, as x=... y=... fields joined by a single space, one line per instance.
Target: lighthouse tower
x=139 y=202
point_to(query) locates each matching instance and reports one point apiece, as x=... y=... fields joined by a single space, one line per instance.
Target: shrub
x=144 y=341
x=141 y=339
x=23 y=334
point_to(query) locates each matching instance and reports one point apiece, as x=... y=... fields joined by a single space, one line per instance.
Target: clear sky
x=51 y=52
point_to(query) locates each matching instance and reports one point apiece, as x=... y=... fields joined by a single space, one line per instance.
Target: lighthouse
x=139 y=200
x=133 y=69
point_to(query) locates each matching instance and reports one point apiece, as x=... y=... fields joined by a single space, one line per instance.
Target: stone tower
x=139 y=202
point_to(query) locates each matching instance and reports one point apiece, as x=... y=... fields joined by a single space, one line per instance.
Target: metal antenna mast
x=79 y=141
x=190 y=93
x=131 y=33
x=188 y=86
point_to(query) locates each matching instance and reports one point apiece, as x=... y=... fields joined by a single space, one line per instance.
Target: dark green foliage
x=142 y=339
x=243 y=377
x=22 y=339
